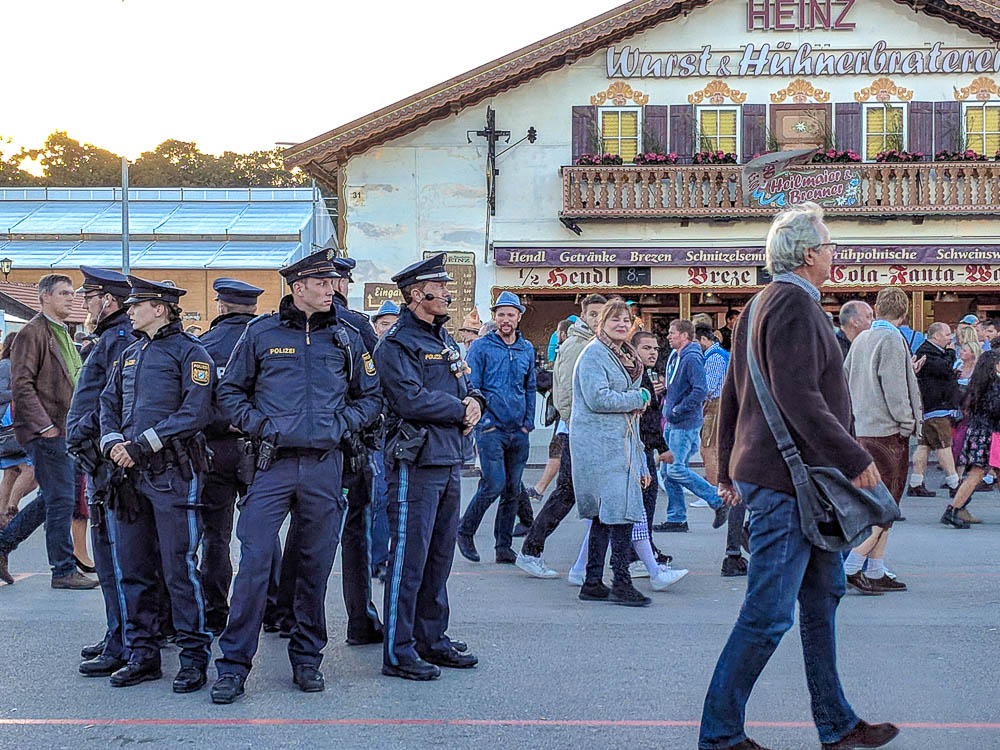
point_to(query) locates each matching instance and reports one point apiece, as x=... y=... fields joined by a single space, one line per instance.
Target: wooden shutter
x=754 y=130
x=654 y=128
x=847 y=126
x=584 y=126
x=682 y=132
x=947 y=126
x=921 y=129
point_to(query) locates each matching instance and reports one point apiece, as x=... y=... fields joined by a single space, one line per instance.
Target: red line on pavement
x=453 y=722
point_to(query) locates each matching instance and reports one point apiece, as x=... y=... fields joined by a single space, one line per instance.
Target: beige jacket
x=885 y=394
x=577 y=338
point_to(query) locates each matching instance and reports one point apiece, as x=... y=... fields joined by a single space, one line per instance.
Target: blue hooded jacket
x=683 y=403
x=505 y=375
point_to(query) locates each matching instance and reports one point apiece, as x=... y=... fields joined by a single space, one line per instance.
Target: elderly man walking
x=785 y=567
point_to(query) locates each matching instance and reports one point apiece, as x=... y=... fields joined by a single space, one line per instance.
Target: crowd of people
x=166 y=434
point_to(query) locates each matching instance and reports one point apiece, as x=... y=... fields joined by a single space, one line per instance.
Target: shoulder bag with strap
x=9 y=447
x=834 y=514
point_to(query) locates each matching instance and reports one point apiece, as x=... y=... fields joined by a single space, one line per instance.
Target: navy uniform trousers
x=168 y=516
x=103 y=540
x=309 y=486
x=218 y=503
x=356 y=556
x=423 y=518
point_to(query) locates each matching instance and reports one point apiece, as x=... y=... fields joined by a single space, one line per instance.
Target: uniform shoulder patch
x=200 y=373
x=369 y=364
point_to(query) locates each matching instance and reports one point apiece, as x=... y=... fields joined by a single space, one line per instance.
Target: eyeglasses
x=831 y=246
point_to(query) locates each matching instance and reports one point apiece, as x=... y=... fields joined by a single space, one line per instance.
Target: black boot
x=308 y=678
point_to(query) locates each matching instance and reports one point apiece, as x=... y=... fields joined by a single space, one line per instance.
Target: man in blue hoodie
x=683 y=408
x=503 y=369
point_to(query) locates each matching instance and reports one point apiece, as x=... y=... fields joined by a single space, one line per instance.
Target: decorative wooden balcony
x=716 y=191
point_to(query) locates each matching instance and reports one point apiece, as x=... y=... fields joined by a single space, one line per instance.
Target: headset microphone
x=429 y=297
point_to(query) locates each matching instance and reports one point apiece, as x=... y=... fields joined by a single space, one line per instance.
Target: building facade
x=902 y=99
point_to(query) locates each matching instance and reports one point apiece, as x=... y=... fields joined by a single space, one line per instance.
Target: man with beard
x=502 y=365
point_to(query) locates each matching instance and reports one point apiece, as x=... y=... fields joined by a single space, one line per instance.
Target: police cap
x=153 y=291
x=104 y=281
x=344 y=267
x=315 y=266
x=236 y=292
x=428 y=269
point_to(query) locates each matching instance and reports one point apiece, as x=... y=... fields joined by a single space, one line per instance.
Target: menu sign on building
x=462 y=268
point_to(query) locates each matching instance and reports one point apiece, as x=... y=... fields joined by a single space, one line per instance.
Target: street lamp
x=5 y=266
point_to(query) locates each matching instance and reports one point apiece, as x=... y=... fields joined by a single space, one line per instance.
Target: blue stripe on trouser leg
x=190 y=557
x=399 y=551
x=110 y=521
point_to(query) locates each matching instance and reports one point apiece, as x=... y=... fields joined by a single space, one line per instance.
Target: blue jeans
x=53 y=505
x=783 y=567
x=683 y=444
x=502 y=456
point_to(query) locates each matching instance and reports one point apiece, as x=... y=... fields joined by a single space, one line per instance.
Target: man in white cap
x=503 y=369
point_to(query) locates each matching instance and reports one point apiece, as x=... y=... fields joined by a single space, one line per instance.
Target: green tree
x=67 y=162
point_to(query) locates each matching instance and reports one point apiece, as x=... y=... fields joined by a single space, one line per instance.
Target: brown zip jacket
x=39 y=381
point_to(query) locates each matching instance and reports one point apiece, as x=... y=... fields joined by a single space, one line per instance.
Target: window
x=982 y=128
x=885 y=129
x=620 y=132
x=718 y=129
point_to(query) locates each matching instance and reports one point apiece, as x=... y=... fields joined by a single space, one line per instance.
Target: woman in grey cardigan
x=609 y=465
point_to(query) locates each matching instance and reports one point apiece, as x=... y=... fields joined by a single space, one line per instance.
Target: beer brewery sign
x=785 y=178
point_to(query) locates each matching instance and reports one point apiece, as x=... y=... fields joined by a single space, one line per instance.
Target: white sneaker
x=534 y=566
x=575 y=577
x=699 y=503
x=666 y=578
x=638 y=570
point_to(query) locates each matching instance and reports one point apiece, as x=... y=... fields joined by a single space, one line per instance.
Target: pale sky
x=128 y=74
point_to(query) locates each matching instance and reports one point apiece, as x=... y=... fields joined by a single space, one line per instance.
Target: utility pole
x=126 y=265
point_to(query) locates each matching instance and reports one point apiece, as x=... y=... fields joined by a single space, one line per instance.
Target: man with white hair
x=855 y=316
x=815 y=403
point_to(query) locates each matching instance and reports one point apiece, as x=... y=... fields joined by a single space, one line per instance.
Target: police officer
x=104 y=293
x=425 y=383
x=153 y=409
x=237 y=307
x=363 y=624
x=298 y=381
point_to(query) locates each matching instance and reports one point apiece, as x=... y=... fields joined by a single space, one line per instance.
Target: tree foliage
x=65 y=162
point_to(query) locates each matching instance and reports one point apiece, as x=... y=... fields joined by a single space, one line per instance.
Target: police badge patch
x=200 y=374
x=369 y=364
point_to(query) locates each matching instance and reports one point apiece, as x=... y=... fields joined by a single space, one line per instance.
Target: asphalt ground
x=554 y=672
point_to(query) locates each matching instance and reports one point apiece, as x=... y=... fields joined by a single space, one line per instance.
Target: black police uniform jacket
x=359 y=321
x=309 y=382
x=420 y=387
x=83 y=423
x=220 y=341
x=160 y=389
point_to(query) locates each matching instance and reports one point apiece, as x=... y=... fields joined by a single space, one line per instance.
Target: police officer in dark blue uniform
x=298 y=382
x=104 y=293
x=237 y=306
x=363 y=624
x=153 y=409
x=425 y=384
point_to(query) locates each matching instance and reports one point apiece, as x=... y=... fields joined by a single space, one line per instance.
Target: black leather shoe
x=308 y=678
x=862 y=584
x=189 y=679
x=92 y=652
x=734 y=566
x=467 y=547
x=375 y=636
x=671 y=526
x=452 y=659
x=418 y=670
x=594 y=592
x=227 y=688
x=460 y=646
x=101 y=666
x=134 y=672
x=506 y=556
x=721 y=514
x=885 y=583
x=865 y=735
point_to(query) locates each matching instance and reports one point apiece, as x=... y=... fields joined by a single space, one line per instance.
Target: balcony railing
x=716 y=191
